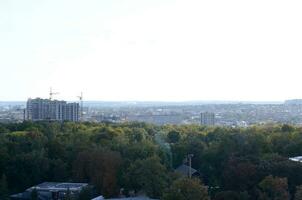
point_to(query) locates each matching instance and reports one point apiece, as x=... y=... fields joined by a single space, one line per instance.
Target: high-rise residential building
x=207 y=119
x=71 y=112
x=54 y=110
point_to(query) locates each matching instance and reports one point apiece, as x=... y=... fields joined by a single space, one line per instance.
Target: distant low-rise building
x=45 y=109
x=51 y=191
x=293 y=102
x=207 y=119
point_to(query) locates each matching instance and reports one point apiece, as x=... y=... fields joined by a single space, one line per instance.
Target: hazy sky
x=151 y=49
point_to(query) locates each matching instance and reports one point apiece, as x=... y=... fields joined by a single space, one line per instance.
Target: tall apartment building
x=207 y=119
x=45 y=109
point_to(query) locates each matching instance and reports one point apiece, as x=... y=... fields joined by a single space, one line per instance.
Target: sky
x=151 y=50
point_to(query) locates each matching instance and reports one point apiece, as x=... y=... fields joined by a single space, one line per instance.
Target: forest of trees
x=234 y=163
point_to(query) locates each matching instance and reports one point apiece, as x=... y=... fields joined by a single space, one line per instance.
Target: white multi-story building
x=45 y=109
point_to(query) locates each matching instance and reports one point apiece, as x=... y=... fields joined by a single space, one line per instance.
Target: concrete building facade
x=54 y=110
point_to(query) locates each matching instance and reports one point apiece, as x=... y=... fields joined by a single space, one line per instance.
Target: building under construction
x=53 y=110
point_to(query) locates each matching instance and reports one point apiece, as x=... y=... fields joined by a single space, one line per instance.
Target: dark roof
x=185 y=169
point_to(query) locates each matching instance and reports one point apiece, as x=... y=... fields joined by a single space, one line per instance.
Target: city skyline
x=161 y=50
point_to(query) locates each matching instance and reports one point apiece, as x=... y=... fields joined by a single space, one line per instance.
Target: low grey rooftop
x=59 y=186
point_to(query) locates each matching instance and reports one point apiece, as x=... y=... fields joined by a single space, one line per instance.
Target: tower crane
x=51 y=94
x=81 y=101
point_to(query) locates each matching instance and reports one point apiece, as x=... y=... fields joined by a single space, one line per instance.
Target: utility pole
x=189 y=157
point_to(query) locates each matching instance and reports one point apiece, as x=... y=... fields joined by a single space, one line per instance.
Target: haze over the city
x=168 y=50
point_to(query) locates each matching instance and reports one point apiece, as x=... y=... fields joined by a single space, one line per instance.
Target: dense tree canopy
x=249 y=163
x=274 y=188
x=3 y=188
x=186 y=189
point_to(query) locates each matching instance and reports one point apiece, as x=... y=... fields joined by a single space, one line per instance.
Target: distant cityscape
x=238 y=114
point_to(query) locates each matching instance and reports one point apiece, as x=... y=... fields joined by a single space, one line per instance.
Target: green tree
x=186 y=189
x=173 y=136
x=85 y=194
x=298 y=194
x=148 y=175
x=99 y=167
x=274 y=188
x=34 y=194
x=3 y=188
x=240 y=174
x=286 y=128
x=68 y=195
x=232 y=195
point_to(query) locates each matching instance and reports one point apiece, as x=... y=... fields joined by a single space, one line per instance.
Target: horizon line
x=161 y=101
